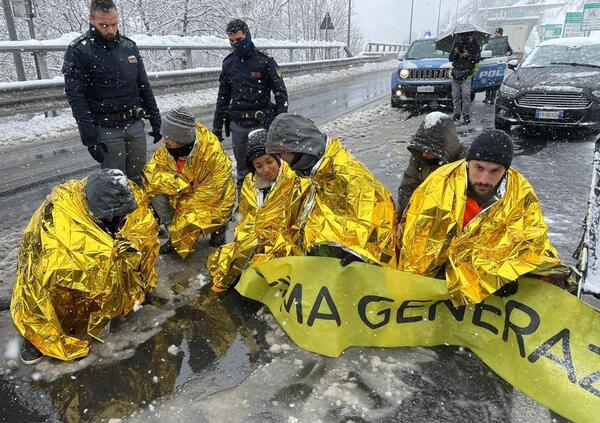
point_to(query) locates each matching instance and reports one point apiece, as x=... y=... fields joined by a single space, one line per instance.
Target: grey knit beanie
x=180 y=125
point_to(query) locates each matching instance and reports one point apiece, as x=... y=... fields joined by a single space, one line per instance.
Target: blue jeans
x=126 y=149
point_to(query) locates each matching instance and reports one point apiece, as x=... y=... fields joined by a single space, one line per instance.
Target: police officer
x=490 y=93
x=108 y=90
x=244 y=102
x=465 y=54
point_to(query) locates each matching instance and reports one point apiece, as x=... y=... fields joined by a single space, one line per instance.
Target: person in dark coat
x=490 y=93
x=244 y=103
x=465 y=54
x=108 y=90
x=435 y=143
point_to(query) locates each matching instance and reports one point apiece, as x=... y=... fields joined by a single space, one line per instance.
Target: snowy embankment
x=25 y=128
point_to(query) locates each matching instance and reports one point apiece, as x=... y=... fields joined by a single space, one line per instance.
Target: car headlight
x=596 y=93
x=404 y=73
x=505 y=89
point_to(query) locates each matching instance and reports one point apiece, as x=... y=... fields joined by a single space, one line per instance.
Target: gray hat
x=292 y=133
x=108 y=194
x=180 y=125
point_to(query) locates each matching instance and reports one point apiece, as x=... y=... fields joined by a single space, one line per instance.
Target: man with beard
x=478 y=222
x=190 y=184
x=244 y=101
x=109 y=93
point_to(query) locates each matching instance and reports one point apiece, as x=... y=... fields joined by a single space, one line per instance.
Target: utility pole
x=12 y=35
x=412 y=8
x=456 y=14
x=349 y=13
x=437 y=32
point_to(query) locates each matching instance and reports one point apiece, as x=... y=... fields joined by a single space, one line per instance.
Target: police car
x=491 y=70
x=424 y=75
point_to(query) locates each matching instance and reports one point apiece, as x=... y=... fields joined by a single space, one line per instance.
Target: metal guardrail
x=589 y=252
x=386 y=48
x=42 y=95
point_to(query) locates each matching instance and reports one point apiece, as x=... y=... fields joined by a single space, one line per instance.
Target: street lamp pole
x=412 y=7
x=12 y=35
x=456 y=14
x=437 y=32
x=349 y=13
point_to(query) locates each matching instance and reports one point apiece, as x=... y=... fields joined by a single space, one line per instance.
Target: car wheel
x=502 y=125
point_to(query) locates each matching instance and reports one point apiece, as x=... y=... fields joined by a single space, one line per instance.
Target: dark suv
x=558 y=84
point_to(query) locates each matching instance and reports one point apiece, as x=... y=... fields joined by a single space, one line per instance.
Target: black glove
x=96 y=151
x=218 y=133
x=227 y=127
x=349 y=258
x=507 y=290
x=155 y=133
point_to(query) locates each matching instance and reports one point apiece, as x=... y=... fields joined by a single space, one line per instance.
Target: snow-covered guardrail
x=48 y=94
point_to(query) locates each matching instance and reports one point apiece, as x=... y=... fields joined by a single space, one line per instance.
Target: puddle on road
x=209 y=336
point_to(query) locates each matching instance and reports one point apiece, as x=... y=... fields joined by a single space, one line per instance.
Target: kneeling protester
x=270 y=202
x=87 y=256
x=189 y=181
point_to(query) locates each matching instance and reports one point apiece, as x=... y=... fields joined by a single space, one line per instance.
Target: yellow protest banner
x=542 y=340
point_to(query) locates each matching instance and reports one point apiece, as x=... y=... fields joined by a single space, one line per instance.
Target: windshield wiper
x=575 y=64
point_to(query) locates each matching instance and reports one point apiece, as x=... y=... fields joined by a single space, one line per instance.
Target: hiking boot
x=467 y=119
x=29 y=353
x=217 y=238
x=455 y=118
x=167 y=247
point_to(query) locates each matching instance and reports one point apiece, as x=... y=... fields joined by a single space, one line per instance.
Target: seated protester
x=270 y=201
x=190 y=184
x=348 y=213
x=87 y=256
x=478 y=221
x=435 y=143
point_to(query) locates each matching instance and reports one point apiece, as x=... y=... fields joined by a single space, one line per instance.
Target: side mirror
x=486 y=54
x=401 y=55
x=512 y=64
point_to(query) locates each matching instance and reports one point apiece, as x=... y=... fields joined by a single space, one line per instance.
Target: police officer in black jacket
x=244 y=102
x=109 y=93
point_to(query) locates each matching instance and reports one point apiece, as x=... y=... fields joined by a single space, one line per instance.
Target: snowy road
x=194 y=356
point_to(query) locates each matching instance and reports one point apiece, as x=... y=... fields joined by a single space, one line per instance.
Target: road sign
x=572 y=27
x=591 y=17
x=550 y=31
x=327 y=23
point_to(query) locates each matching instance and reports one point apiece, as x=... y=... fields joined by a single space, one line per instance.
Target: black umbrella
x=460 y=31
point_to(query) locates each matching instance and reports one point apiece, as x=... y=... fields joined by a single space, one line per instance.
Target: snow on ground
x=21 y=129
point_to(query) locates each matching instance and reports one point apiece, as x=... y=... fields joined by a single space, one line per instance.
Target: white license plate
x=426 y=89
x=554 y=115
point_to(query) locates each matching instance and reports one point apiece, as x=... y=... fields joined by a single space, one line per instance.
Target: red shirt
x=180 y=162
x=472 y=209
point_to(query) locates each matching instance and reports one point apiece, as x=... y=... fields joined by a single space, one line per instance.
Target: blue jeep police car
x=424 y=75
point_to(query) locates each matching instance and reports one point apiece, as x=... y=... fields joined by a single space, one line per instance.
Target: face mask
x=182 y=151
x=243 y=47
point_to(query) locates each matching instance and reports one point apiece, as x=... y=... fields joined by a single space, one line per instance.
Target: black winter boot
x=217 y=238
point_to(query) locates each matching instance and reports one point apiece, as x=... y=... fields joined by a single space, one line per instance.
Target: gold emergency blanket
x=506 y=241
x=74 y=277
x=542 y=340
x=202 y=195
x=265 y=231
x=348 y=207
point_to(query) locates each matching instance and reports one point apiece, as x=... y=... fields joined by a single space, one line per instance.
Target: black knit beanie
x=492 y=145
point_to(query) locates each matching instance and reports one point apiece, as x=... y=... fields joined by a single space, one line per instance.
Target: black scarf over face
x=182 y=151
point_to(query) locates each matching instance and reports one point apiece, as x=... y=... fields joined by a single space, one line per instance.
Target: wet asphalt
x=218 y=341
